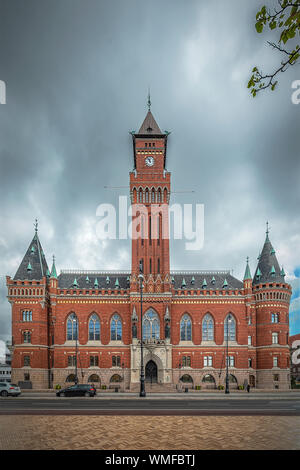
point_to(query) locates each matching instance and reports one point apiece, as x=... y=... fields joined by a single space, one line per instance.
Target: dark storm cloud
x=77 y=74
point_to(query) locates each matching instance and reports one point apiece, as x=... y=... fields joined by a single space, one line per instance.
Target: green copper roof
x=107 y=280
x=29 y=268
x=225 y=283
x=172 y=279
x=87 y=279
x=193 y=280
x=273 y=251
x=213 y=280
x=32 y=249
x=117 y=283
x=48 y=273
x=53 y=270
x=272 y=270
x=96 y=284
x=247 y=275
x=282 y=273
x=258 y=273
x=183 y=284
x=75 y=283
x=204 y=283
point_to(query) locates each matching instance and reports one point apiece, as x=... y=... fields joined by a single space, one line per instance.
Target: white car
x=6 y=389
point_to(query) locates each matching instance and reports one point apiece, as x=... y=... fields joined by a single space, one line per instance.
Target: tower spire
x=149 y=100
x=267 y=231
x=36 y=225
x=53 y=270
x=247 y=275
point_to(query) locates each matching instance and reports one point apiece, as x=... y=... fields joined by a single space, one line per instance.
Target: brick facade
x=258 y=356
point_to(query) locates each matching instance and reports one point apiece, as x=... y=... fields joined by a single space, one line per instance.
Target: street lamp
x=76 y=350
x=142 y=379
x=227 y=358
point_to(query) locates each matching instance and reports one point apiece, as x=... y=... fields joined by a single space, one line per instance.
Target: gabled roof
x=268 y=269
x=34 y=264
x=213 y=280
x=149 y=126
x=93 y=280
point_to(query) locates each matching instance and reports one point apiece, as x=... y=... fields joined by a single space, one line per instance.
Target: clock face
x=149 y=161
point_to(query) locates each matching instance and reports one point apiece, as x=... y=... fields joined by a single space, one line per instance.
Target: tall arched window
x=208 y=328
x=116 y=328
x=94 y=328
x=72 y=327
x=151 y=325
x=140 y=195
x=186 y=328
x=230 y=328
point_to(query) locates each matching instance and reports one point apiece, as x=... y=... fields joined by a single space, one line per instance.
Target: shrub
x=103 y=387
x=220 y=387
x=241 y=387
x=198 y=387
x=57 y=387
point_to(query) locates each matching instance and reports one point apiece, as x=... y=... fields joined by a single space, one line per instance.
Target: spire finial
x=267 y=231
x=149 y=100
x=36 y=225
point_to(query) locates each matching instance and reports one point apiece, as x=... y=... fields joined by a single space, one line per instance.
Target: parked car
x=79 y=390
x=8 y=389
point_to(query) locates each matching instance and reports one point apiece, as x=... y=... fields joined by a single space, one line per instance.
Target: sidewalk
x=195 y=395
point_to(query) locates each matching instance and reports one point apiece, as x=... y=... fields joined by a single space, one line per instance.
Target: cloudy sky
x=77 y=74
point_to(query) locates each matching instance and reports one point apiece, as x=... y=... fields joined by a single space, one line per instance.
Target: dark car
x=79 y=390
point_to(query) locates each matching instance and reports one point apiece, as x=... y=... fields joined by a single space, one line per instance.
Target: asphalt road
x=148 y=406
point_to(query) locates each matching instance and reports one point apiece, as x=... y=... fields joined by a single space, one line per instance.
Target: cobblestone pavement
x=149 y=433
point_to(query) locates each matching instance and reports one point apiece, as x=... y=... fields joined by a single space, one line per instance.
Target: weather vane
x=149 y=101
x=36 y=225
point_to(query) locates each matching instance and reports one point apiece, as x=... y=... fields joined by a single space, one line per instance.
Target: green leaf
x=259 y=26
x=273 y=25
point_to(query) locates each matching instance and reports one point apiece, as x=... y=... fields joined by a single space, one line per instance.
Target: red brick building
x=95 y=316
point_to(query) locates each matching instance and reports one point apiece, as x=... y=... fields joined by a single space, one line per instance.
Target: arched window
x=27 y=337
x=94 y=378
x=94 y=328
x=186 y=379
x=151 y=325
x=72 y=327
x=115 y=378
x=153 y=195
x=71 y=378
x=186 y=328
x=116 y=328
x=230 y=328
x=208 y=328
x=159 y=196
x=147 y=195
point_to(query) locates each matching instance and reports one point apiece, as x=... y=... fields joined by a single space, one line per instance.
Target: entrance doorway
x=151 y=372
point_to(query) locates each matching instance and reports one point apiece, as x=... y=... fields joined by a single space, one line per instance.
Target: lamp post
x=227 y=358
x=142 y=379
x=76 y=350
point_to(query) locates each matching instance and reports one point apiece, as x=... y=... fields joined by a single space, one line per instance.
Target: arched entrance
x=151 y=372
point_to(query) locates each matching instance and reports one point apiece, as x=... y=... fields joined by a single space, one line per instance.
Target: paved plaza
x=149 y=432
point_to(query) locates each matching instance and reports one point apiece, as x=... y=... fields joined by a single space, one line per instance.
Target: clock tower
x=150 y=194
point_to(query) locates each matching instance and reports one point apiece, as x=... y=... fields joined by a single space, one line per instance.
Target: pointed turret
x=34 y=264
x=247 y=275
x=149 y=126
x=53 y=269
x=268 y=269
